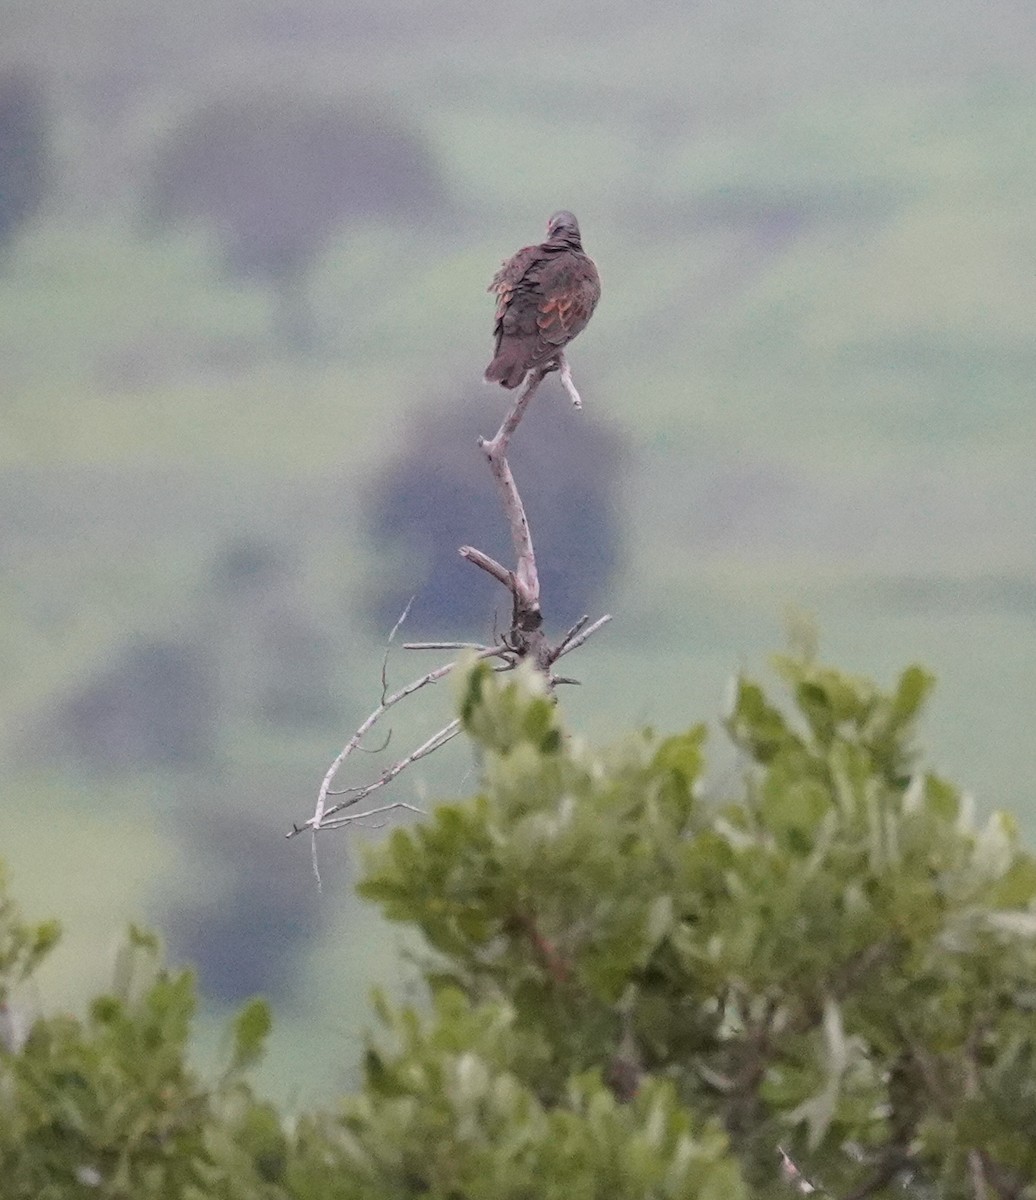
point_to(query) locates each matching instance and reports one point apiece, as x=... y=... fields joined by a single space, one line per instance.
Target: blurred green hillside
x=815 y=227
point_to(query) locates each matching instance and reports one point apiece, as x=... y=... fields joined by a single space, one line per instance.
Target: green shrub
x=641 y=986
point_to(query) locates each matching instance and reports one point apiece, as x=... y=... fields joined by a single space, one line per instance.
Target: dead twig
x=316 y=821
x=566 y=380
x=376 y=749
x=477 y=558
x=388 y=646
x=526 y=636
x=356 y=794
x=444 y=646
x=352 y=818
x=571 y=633
x=525 y=639
x=574 y=643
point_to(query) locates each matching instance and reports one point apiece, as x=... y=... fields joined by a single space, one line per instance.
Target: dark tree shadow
x=437 y=495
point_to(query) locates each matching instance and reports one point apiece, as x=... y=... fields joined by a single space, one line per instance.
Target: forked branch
x=525 y=639
x=324 y=812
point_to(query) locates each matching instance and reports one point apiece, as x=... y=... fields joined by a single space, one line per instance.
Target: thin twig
x=388 y=646
x=356 y=794
x=415 y=685
x=499 y=572
x=571 y=633
x=376 y=749
x=352 y=818
x=566 y=380
x=577 y=641
x=444 y=646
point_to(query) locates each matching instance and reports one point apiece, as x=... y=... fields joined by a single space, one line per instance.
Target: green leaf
x=46 y=936
x=251 y=1028
x=1016 y=887
x=794 y=810
x=683 y=754
x=913 y=689
x=757 y=726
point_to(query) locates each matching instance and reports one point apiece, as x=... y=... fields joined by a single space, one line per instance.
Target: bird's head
x=563 y=227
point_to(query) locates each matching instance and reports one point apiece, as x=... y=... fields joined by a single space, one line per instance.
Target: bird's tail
x=507 y=368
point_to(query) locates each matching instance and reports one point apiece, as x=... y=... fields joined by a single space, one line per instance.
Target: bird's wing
x=512 y=276
x=570 y=289
x=545 y=298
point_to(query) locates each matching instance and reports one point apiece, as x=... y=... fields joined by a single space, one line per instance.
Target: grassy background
x=815 y=227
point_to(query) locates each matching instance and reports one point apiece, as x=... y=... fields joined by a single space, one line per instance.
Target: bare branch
x=526 y=636
x=524 y=639
x=571 y=633
x=316 y=820
x=444 y=646
x=526 y=586
x=500 y=573
x=498 y=445
x=339 y=822
x=566 y=380
x=388 y=645
x=356 y=794
x=576 y=642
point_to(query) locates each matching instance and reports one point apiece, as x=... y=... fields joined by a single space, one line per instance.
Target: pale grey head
x=563 y=226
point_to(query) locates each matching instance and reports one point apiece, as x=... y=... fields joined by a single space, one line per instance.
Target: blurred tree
x=437 y=495
x=273 y=175
x=155 y=705
x=247 y=930
x=24 y=151
x=275 y=658
x=252 y=653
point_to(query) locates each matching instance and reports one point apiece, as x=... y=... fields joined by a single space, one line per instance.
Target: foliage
x=640 y=986
x=837 y=960
x=107 y=1105
x=454 y=1111
x=22 y=947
